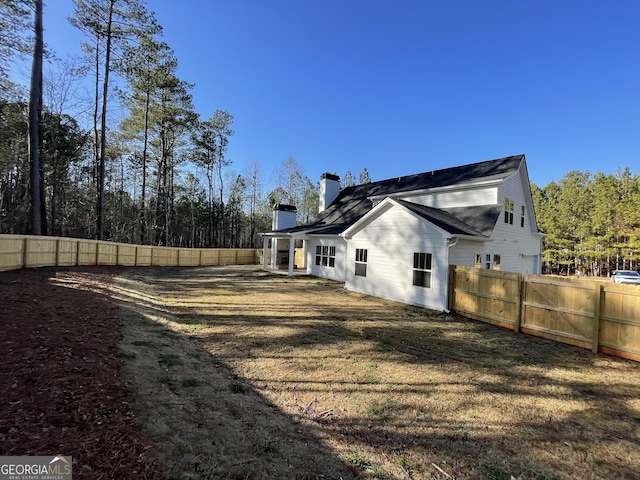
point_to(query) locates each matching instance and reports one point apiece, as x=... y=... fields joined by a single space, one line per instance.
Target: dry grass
x=244 y=374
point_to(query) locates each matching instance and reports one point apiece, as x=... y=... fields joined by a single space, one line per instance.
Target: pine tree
x=109 y=24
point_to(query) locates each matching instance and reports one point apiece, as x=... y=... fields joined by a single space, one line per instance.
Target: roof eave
x=276 y=234
x=473 y=238
x=486 y=182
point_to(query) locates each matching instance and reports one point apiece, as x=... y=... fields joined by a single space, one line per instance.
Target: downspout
x=451 y=242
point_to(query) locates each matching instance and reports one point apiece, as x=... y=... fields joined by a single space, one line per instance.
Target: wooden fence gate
x=589 y=313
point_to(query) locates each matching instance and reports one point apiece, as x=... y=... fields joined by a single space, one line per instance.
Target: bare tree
x=254 y=184
x=291 y=180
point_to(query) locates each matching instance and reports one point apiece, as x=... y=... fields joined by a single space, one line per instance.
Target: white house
x=396 y=238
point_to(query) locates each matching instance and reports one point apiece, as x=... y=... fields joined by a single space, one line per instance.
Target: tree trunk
x=221 y=188
x=103 y=126
x=96 y=132
x=210 y=179
x=35 y=121
x=143 y=216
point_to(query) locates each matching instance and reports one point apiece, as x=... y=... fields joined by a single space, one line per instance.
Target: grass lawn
x=246 y=374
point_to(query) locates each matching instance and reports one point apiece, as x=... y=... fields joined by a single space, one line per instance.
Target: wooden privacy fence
x=604 y=317
x=27 y=251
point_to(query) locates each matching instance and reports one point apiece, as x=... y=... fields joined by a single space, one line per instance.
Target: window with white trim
x=508 y=211
x=325 y=255
x=522 y=216
x=422 y=269
x=488 y=261
x=361 y=262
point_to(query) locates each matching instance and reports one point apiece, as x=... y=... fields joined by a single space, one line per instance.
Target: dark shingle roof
x=354 y=202
x=482 y=218
x=474 y=221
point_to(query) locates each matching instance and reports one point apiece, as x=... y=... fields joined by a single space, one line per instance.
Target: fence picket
x=42 y=251
x=585 y=313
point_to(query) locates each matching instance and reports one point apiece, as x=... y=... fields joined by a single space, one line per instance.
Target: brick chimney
x=284 y=216
x=329 y=190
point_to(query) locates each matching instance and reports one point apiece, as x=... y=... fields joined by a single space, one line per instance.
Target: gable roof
x=484 y=218
x=354 y=202
x=476 y=221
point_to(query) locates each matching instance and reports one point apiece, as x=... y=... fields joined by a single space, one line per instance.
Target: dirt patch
x=62 y=390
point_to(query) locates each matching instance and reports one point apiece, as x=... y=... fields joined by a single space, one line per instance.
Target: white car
x=626 y=276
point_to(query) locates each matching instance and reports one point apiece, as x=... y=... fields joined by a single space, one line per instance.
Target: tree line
x=592 y=222
x=128 y=160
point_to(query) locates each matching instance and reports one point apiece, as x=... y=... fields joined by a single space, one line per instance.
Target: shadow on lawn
x=210 y=422
x=489 y=360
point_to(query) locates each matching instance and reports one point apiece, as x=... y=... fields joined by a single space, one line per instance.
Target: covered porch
x=279 y=252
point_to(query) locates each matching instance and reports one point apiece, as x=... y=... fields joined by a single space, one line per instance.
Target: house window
x=508 y=211
x=422 y=269
x=325 y=255
x=361 y=262
x=522 y=216
x=488 y=261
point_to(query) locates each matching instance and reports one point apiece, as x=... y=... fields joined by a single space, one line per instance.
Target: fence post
x=519 y=290
x=57 y=252
x=24 y=252
x=596 y=316
x=451 y=287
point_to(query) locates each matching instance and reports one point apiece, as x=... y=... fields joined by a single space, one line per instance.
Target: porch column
x=265 y=250
x=274 y=252
x=292 y=254
x=304 y=254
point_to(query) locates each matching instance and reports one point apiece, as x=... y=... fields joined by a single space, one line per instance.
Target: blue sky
x=406 y=86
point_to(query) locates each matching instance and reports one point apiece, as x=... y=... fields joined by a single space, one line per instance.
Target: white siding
x=459 y=198
x=464 y=253
x=333 y=273
x=390 y=240
x=514 y=242
x=518 y=247
x=530 y=264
